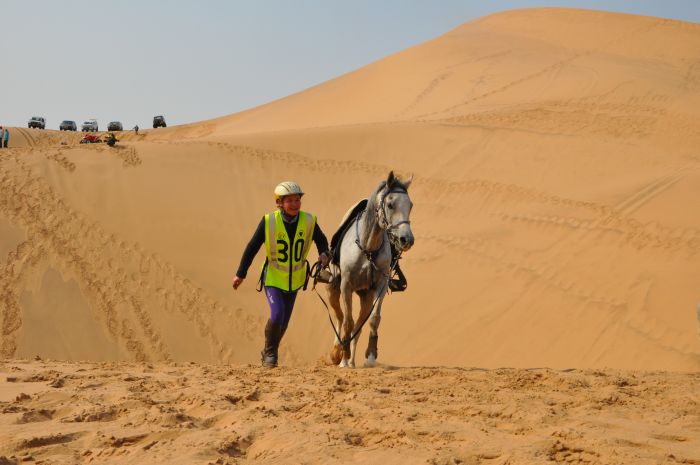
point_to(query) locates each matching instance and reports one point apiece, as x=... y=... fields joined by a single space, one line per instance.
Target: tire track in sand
x=127 y=153
x=633 y=232
x=554 y=67
x=630 y=299
x=119 y=279
x=505 y=196
x=29 y=139
x=649 y=191
x=516 y=262
x=292 y=158
x=60 y=159
x=627 y=303
x=503 y=199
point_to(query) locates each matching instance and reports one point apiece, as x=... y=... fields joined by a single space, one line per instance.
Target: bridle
x=381 y=213
x=384 y=224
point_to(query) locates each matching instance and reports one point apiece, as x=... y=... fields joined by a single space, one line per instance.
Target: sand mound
x=556 y=169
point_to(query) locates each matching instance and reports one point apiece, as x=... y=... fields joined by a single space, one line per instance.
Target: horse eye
x=390 y=205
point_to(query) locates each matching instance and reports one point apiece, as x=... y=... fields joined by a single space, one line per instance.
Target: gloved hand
x=324 y=259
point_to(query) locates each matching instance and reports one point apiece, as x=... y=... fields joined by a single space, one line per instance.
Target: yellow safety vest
x=286 y=259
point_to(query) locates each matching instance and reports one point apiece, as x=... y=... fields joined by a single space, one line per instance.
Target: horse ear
x=407 y=182
x=391 y=179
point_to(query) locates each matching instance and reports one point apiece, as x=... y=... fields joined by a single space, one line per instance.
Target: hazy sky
x=128 y=60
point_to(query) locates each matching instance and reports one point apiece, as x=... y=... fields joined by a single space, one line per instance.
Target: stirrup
x=324 y=276
x=397 y=285
x=320 y=274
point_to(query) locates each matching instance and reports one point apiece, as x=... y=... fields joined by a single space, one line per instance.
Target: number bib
x=286 y=257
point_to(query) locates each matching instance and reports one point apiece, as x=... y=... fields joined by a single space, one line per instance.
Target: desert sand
x=186 y=413
x=556 y=192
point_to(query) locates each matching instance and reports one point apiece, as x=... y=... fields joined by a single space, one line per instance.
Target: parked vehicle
x=90 y=139
x=89 y=126
x=68 y=125
x=159 y=122
x=115 y=126
x=37 y=122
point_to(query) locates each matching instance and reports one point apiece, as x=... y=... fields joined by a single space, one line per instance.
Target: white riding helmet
x=287 y=188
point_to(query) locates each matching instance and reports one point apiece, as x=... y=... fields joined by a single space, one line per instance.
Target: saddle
x=345 y=224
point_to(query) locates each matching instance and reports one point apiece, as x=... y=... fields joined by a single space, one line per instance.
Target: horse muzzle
x=404 y=242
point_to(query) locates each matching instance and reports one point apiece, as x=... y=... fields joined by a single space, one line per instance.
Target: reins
x=369 y=254
x=346 y=342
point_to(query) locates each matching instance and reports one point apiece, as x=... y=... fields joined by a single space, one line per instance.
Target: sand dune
x=555 y=163
x=555 y=213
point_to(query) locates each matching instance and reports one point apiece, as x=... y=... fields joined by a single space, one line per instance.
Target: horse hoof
x=370 y=362
x=343 y=364
x=336 y=355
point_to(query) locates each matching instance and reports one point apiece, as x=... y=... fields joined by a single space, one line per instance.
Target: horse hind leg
x=334 y=300
x=348 y=324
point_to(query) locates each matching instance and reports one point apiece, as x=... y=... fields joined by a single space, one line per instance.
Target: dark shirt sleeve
x=251 y=249
x=319 y=239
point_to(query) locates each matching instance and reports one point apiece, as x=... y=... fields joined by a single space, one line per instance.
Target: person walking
x=136 y=129
x=287 y=234
x=2 y=136
x=6 y=137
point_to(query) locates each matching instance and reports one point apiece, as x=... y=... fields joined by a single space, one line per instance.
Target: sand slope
x=556 y=178
x=188 y=413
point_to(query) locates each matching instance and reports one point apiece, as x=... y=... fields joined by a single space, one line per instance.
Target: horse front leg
x=366 y=300
x=375 y=318
x=348 y=323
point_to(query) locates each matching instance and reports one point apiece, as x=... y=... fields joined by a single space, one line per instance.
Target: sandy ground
x=66 y=413
x=556 y=185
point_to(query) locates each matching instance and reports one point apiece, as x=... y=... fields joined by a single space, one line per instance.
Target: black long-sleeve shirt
x=258 y=240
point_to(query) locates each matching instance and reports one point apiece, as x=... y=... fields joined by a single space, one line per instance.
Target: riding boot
x=284 y=330
x=273 y=333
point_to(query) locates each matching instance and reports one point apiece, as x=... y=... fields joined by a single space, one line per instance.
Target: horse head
x=393 y=211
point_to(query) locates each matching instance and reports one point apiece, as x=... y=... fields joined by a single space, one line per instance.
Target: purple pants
x=281 y=305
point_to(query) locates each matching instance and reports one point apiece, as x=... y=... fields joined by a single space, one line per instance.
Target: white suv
x=89 y=126
x=37 y=122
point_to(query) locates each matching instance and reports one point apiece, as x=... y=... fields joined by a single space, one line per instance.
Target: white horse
x=364 y=266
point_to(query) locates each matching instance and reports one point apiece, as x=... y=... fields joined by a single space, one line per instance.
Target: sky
x=128 y=60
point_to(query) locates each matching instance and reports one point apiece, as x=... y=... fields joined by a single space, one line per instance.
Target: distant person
x=111 y=139
x=287 y=234
x=2 y=136
x=6 y=137
x=136 y=129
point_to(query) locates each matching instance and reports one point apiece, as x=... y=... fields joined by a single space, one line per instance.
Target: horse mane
x=372 y=200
